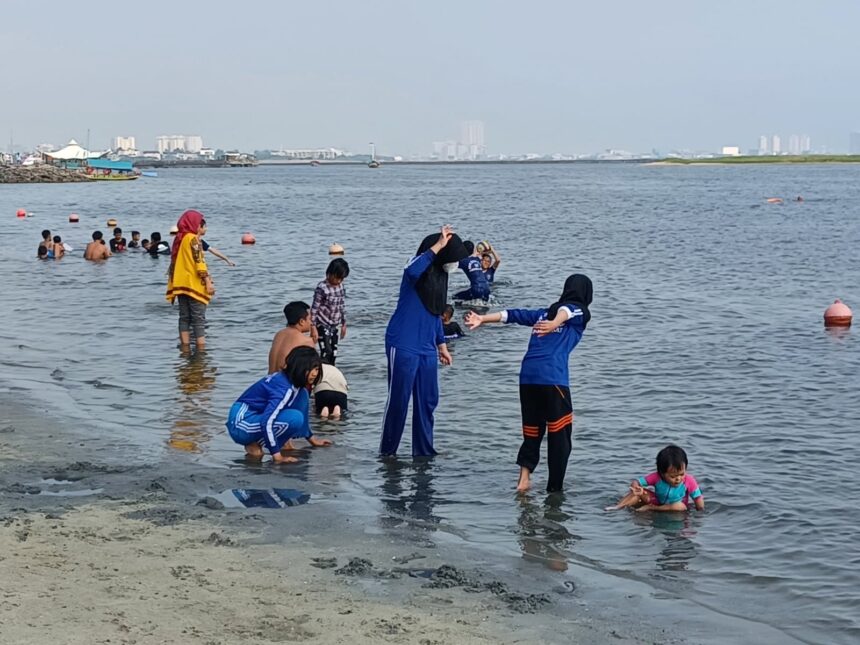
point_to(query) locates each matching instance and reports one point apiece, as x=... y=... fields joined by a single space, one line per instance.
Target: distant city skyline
x=544 y=77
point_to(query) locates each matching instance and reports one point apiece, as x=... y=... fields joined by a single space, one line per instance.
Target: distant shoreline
x=729 y=161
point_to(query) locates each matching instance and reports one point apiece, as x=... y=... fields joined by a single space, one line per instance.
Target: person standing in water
x=415 y=344
x=544 y=378
x=188 y=280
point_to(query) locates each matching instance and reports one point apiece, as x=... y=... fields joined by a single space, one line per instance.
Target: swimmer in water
x=490 y=261
x=479 y=288
x=673 y=487
x=450 y=328
x=275 y=409
x=96 y=250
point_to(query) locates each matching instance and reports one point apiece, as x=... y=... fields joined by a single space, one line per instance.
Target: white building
x=124 y=143
x=472 y=137
x=776 y=145
x=309 y=153
x=805 y=144
x=193 y=143
x=731 y=151
x=170 y=142
x=762 y=145
x=45 y=147
x=794 y=144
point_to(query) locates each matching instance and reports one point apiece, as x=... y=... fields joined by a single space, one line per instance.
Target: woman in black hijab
x=415 y=343
x=544 y=379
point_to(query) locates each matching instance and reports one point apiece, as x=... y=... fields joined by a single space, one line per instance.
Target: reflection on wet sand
x=195 y=376
x=408 y=495
x=543 y=536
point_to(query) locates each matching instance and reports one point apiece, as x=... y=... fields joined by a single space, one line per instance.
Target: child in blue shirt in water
x=479 y=288
x=490 y=261
x=544 y=380
x=275 y=409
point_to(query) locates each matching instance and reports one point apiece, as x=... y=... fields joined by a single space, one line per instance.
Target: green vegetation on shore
x=770 y=159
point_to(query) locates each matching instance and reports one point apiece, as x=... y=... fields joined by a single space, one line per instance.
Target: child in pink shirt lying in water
x=673 y=486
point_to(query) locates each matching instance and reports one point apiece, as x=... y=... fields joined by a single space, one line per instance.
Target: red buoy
x=838 y=315
x=247 y=238
x=73 y=218
x=21 y=212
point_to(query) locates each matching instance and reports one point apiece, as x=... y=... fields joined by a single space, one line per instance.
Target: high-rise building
x=762 y=145
x=472 y=138
x=776 y=145
x=805 y=144
x=170 y=142
x=193 y=143
x=124 y=143
x=854 y=143
x=794 y=144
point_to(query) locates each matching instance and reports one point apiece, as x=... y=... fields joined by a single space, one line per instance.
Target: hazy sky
x=567 y=76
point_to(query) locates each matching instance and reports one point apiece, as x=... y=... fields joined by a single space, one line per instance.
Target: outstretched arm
x=221 y=256
x=475 y=320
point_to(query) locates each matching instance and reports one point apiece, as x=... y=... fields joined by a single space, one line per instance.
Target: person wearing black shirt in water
x=117 y=242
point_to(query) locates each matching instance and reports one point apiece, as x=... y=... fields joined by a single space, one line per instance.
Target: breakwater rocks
x=38 y=175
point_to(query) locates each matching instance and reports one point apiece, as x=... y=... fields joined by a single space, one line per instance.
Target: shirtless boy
x=293 y=335
x=96 y=250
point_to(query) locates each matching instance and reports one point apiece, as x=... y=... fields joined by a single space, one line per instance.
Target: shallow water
x=706 y=331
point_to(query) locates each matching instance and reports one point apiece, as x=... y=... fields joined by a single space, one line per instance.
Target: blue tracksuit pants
x=415 y=376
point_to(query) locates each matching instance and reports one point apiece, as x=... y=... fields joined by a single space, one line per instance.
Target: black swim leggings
x=546 y=409
x=328 y=336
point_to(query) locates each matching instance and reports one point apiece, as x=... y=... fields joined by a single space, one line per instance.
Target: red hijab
x=188 y=223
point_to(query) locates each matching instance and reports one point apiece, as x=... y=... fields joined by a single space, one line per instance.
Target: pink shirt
x=666 y=494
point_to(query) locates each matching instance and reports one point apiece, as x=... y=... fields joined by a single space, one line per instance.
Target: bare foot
x=253 y=451
x=324 y=413
x=612 y=508
x=289 y=445
x=525 y=480
x=278 y=458
x=336 y=412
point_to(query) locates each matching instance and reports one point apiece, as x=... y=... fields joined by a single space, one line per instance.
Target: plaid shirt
x=329 y=307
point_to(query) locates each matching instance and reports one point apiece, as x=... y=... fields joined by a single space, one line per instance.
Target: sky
x=544 y=77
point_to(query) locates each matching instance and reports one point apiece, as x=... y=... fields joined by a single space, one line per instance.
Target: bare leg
x=525 y=480
x=324 y=412
x=289 y=445
x=336 y=412
x=254 y=451
x=630 y=499
x=185 y=339
x=201 y=342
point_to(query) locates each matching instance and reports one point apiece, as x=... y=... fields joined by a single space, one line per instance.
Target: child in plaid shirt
x=328 y=311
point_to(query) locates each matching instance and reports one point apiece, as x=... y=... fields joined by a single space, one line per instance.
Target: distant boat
x=149 y=173
x=373 y=163
x=315 y=163
x=106 y=170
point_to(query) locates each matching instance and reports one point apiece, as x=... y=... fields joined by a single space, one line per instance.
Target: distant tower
x=805 y=144
x=472 y=138
x=776 y=145
x=794 y=144
x=762 y=145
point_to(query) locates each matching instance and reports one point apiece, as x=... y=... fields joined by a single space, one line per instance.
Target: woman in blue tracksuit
x=415 y=343
x=275 y=409
x=544 y=379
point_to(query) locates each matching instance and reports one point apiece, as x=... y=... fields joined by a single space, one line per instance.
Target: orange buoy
x=111 y=222
x=247 y=238
x=838 y=315
x=335 y=249
x=73 y=218
x=21 y=213
x=774 y=200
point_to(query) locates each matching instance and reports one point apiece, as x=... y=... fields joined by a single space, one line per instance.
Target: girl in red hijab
x=188 y=280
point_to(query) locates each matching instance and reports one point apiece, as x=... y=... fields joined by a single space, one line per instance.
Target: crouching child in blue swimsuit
x=544 y=379
x=275 y=409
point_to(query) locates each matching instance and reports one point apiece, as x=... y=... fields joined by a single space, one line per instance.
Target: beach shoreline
x=163 y=562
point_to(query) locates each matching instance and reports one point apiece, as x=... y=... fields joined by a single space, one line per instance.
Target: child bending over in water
x=544 y=379
x=275 y=409
x=673 y=486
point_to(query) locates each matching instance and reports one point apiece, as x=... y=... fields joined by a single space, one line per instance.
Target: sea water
x=706 y=331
